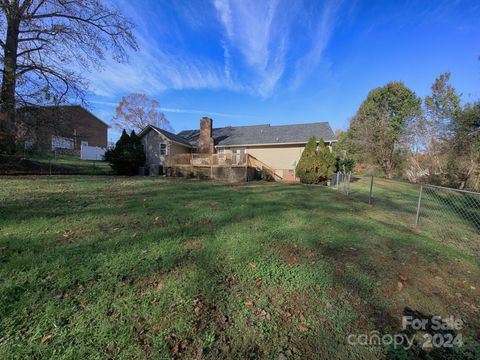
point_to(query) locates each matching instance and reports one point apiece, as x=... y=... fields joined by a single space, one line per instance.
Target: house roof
x=167 y=134
x=263 y=134
x=62 y=111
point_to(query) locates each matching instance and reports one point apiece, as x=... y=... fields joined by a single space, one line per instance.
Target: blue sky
x=250 y=62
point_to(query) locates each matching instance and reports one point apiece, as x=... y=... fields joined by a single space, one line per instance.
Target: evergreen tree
x=326 y=160
x=127 y=155
x=316 y=164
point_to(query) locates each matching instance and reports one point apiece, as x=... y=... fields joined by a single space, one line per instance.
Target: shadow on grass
x=159 y=223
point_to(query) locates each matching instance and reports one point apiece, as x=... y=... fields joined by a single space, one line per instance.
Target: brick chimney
x=205 y=141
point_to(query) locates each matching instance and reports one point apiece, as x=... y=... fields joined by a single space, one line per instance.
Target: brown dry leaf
x=302 y=327
x=46 y=338
x=252 y=265
x=389 y=292
x=402 y=278
x=258 y=282
x=248 y=304
x=399 y=286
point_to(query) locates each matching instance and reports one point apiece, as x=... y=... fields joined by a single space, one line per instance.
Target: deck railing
x=228 y=160
x=260 y=165
x=206 y=160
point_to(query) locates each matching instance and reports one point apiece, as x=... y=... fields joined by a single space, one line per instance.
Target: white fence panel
x=92 y=153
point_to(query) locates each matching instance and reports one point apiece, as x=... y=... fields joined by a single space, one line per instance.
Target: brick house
x=276 y=148
x=61 y=127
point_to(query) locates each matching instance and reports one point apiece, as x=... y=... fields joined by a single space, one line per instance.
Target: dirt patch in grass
x=294 y=254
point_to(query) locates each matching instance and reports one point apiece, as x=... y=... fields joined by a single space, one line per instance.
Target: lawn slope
x=131 y=268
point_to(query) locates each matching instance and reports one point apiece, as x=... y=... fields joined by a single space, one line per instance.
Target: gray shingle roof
x=264 y=134
x=167 y=134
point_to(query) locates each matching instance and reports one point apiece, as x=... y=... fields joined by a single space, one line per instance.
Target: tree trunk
x=468 y=174
x=7 y=96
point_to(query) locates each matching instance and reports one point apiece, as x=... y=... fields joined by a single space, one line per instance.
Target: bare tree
x=48 y=43
x=136 y=111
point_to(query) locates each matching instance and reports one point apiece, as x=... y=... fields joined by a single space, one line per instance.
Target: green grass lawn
x=49 y=163
x=451 y=218
x=131 y=268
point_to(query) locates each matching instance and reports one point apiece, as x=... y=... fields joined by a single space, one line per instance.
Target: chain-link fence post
x=419 y=204
x=371 y=189
x=348 y=185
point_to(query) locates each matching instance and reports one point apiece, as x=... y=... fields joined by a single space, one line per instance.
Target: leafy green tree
x=442 y=107
x=464 y=155
x=127 y=155
x=346 y=164
x=316 y=164
x=343 y=148
x=377 y=127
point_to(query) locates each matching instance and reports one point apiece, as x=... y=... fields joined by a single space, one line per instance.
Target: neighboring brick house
x=61 y=127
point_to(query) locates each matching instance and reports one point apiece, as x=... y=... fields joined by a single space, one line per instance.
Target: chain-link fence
x=50 y=163
x=448 y=215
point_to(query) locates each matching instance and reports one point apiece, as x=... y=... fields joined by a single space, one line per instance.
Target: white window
x=59 y=142
x=239 y=151
x=221 y=151
x=29 y=143
x=163 y=149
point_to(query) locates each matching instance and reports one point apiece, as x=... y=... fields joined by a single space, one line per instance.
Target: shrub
x=316 y=164
x=265 y=175
x=346 y=164
x=127 y=155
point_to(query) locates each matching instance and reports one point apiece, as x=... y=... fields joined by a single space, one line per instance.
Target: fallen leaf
x=258 y=282
x=362 y=322
x=399 y=286
x=252 y=265
x=302 y=327
x=402 y=278
x=248 y=304
x=46 y=338
x=472 y=287
x=389 y=292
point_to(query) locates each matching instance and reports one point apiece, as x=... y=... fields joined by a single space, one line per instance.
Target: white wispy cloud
x=261 y=31
x=179 y=110
x=152 y=71
x=156 y=67
x=253 y=28
x=255 y=36
x=322 y=34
